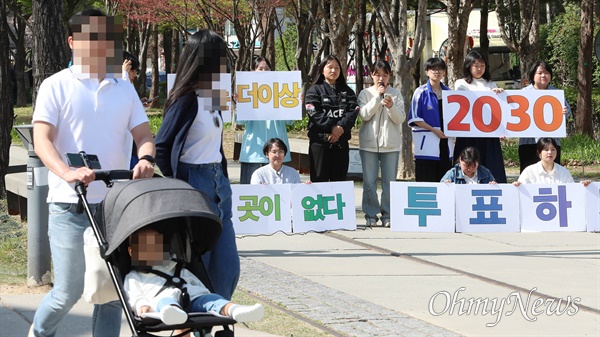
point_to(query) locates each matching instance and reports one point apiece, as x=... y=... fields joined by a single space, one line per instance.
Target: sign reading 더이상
x=268 y=95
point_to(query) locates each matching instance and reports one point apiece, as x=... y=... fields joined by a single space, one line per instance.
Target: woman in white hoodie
x=382 y=113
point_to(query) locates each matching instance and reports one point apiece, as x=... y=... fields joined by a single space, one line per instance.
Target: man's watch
x=149 y=158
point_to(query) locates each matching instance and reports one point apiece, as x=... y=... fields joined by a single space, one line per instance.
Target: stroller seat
x=178 y=211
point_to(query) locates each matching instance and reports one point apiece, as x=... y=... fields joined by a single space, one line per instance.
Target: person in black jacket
x=332 y=110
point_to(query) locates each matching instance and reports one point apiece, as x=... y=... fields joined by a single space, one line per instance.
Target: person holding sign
x=256 y=133
x=275 y=173
x=477 y=77
x=189 y=145
x=540 y=75
x=332 y=110
x=382 y=113
x=433 y=149
x=468 y=170
x=546 y=171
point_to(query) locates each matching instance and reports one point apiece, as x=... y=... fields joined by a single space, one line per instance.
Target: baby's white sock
x=246 y=313
x=171 y=314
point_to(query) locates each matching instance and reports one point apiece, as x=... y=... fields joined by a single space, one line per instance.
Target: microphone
x=381 y=84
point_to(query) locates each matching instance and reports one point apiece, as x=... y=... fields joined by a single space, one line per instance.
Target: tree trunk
x=167 y=49
x=484 y=41
x=49 y=42
x=458 y=19
x=6 y=105
x=20 y=54
x=154 y=60
x=175 y=51
x=269 y=43
x=584 y=70
x=360 y=45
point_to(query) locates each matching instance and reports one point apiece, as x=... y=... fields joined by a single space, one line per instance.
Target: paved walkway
x=374 y=282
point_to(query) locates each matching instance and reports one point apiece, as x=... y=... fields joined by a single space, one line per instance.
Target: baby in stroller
x=157 y=284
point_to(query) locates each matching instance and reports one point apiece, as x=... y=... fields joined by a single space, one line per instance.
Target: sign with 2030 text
x=512 y=113
x=269 y=95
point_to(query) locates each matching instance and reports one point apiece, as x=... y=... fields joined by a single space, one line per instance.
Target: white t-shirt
x=91 y=116
x=203 y=141
x=142 y=288
x=535 y=174
x=268 y=175
x=478 y=84
x=473 y=180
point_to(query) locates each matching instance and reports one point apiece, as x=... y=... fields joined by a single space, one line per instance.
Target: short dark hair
x=257 y=60
x=469 y=60
x=135 y=64
x=469 y=155
x=534 y=67
x=382 y=65
x=274 y=141
x=321 y=78
x=435 y=63
x=75 y=21
x=543 y=144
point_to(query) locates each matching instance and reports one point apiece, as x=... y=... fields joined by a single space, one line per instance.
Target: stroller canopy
x=133 y=204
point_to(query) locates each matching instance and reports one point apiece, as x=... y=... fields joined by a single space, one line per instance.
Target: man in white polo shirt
x=86 y=107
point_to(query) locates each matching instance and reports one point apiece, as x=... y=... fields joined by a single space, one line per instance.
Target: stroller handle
x=108 y=176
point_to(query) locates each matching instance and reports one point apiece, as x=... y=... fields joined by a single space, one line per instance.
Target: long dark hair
x=469 y=60
x=321 y=78
x=205 y=54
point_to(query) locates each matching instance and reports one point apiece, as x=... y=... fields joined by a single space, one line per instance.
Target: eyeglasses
x=436 y=70
x=277 y=153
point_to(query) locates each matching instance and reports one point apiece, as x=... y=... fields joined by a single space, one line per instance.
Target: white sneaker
x=247 y=313
x=171 y=314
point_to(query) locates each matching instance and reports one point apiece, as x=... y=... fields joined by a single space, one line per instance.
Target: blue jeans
x=370 y=167
x=208 y=302
x=223 y=261
x=65 y=229
x=246 y=170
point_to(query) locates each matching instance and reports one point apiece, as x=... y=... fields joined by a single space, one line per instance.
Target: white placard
x=170 y=83
x=487 y=208
x=261 y=209
x=323 y=206
x=512 y=113
x=593 y=207
x=422 y=207
x=552 y=208
x=268 y=95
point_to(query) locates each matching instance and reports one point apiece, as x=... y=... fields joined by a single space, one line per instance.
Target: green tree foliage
x=285 y=48
x=559 y=46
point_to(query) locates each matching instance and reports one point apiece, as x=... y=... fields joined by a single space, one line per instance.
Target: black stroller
x=184 y=217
